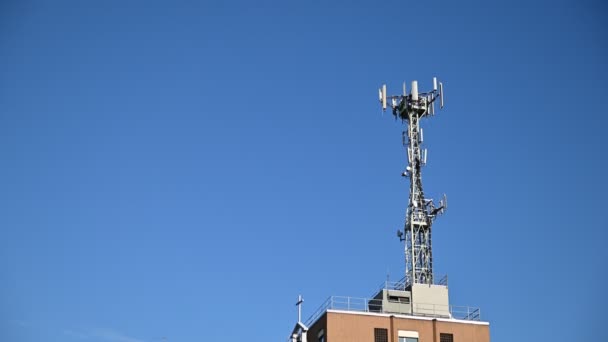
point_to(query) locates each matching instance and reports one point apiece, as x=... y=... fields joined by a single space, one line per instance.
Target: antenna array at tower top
x=422 y=102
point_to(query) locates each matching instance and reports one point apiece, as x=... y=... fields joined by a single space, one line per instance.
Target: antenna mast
x=421 y=212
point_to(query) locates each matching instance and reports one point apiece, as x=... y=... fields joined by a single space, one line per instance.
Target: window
x=321 y=336
x=446 y=337
x=407 y=336
x=380 y=335
x=396 y=299
x=408 y=339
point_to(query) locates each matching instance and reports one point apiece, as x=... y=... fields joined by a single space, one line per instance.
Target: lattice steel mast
x=421 y=212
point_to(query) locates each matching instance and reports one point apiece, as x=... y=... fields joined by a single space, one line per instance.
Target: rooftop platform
x=391 y=305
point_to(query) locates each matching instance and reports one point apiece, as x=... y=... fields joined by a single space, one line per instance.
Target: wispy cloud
x=107 y=335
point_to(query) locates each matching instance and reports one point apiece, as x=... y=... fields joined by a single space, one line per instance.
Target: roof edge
x=451 y=320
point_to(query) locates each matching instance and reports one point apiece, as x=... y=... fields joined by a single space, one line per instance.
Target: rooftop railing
x=403 y=283
x=375 y=305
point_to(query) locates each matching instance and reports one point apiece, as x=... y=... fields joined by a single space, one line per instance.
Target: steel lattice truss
x=421 y=212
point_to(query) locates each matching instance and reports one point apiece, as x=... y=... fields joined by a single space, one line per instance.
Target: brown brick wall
x=313 y=331
x=345 y=327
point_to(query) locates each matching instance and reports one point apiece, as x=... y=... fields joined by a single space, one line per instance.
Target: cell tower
x=416 y=307
x=421 y=212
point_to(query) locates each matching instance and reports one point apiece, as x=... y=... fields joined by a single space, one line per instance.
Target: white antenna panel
x=421 y=135
x=404 y=89
x=441 y=93
x=414 y=90
x=434 y=83
x=384 y=96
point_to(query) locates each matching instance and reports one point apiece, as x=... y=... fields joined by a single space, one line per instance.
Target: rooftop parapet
x=343 y=303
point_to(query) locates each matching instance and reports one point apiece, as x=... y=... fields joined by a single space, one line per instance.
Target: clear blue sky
x=186 y=169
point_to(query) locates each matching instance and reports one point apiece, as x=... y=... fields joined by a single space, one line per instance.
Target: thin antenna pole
x=299 y=305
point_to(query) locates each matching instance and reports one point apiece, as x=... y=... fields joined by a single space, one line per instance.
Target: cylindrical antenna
x=434 y=83
x=414 y=90
x=404 y=89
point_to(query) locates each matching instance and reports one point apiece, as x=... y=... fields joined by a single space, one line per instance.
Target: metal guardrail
x=375 y=305
x=403 y=283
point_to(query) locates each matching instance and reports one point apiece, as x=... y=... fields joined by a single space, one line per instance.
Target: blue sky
x=186 y=169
